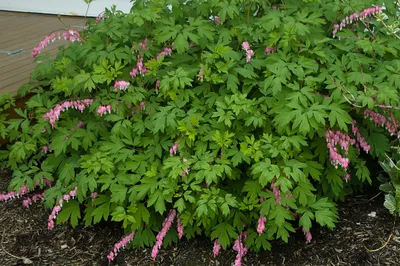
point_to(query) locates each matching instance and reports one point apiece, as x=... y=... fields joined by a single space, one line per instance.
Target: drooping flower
x=216 y=248
x=390 y=124
x=307 y=235
x=121 y=85
x=218 y=21
x=165 y=52
x=361 y=141
x=344 y=141
x=14 y=194
x=142 y=105
x=173 y=150
x=70 y=35
x=34 y=198
x=201 y=74
x=246 y=46
x=240 y=248
x=104 y=109
x=261 y=225
x=180 y=228
x=45 y=149
x=249 y=52
x=355 y=17
x=269 y=50
x=347 y=177
x=160 y=236
x=57 y=208
x=54 y=114
x=81 y=124
x=277 y=193
x=157 y=85
x=120 y=245
x=143 y=45
x=139 y=69
x=100 y=17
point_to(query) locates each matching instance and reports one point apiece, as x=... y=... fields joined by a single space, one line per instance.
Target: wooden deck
x=25 y=31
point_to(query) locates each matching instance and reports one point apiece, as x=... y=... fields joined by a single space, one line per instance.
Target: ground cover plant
x=240 y=120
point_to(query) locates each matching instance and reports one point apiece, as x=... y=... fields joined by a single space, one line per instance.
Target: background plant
x=245 y=120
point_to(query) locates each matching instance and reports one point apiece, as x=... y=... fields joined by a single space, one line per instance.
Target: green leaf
x=103 y=209
x=70 y=210
x=180 y=205
x=181 y=43
x=158 y=199
x=118 y=193
x=390 y=203
x=379 y=143
x=305 y=220
x=224 y=232
x=338 y=116
x=266 y=171
x=280 y=215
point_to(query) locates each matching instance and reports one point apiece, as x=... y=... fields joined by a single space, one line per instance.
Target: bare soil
x=357 y=240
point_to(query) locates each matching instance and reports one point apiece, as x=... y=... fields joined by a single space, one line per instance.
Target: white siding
x=63 y=7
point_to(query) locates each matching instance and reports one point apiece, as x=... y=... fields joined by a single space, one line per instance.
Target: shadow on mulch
x=24 y=235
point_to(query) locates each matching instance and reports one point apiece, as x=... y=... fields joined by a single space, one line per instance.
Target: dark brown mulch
x=25 y=240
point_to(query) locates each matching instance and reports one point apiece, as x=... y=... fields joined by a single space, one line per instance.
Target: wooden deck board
x=25 y=31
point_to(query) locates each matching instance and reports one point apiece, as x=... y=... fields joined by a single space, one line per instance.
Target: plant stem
x=248 y=13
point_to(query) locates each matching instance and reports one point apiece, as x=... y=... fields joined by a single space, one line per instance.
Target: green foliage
x=391 y=184
x=239 y=129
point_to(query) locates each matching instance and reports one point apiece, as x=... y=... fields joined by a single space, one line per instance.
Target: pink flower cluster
x=269 y=50
x=390 y=125
x=70 y=35
x=174 y=149
x=354 y=17
x=100 y=17
x=277 y=193
x=120 y=245
x=143 y=45
x=347 y=177
x=81 y=124
x=307 y=235
x=218 y=21
x=23 y=190
x=160 y=237
x=344 y=140
x=104 y=109
x=201 y=74
x=157 y=85
x=45 y=149
x=216 y=248
x=57 y=208
x=249 y=52
x=165 y=52
x=34 y=198
x=139 y=69
x=94 y=195
x=14 y=194
x=121 y=85
x=141 y=107
x=261 y=225
x=54 y=113
x=180 y=228
x=240 y=249
x=46 y=182
x=361 y=141
x=185 y=172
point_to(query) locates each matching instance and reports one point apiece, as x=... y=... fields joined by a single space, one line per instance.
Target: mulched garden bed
x=358 y=239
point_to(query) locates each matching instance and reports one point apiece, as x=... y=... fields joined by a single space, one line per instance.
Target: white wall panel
x=63 y=7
